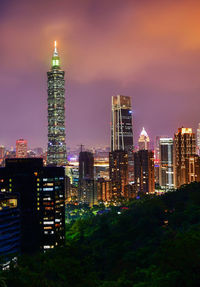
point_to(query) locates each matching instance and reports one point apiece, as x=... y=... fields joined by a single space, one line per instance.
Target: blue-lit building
x=9 y=228
x=41 y=192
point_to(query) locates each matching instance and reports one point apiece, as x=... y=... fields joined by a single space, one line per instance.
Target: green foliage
x=155 y=243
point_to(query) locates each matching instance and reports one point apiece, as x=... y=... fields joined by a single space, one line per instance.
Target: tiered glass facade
x=56 y=153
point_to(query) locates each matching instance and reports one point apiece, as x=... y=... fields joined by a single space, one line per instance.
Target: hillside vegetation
x=155 y=243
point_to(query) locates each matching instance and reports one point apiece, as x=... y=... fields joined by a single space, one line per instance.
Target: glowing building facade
x=56 y=152
x=166 y=169
x=144 y=140
x=122 y=129
x=2 y=154
x=144 y=172
x=87 y=185
x=41 y=195
x=118 y=165
x=9 y=228
x=198 y=139
x=184 y=148
x=21 y=148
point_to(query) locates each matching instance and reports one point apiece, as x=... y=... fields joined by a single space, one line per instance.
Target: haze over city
x=148 y=50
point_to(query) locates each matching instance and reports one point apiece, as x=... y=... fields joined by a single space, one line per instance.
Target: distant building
x=56 y=153
x=86 y=165
x=10 y=154
x=144 y=171
x=144 y=141
x=21 y=148
x=2 y=152
x=87 y=184
x=72 y=172
x=157 y=148
x=118 y=164
x=101 y=166
x=193 y=163
x=122 y=129
x=9 y=228
x=184 y=148
x=41 y=200
x=166 y=169
x=198 y=140
x=39 y=152
x=157 y=159
x=2 y=155
x=104 y=190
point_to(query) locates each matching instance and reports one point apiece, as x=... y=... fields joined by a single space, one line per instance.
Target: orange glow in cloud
x=135 y=39
x=148 y=49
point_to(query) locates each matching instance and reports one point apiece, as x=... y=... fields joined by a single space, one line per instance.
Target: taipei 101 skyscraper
x=56 y=152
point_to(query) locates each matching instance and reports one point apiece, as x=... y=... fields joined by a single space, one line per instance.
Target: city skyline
x=153 y=60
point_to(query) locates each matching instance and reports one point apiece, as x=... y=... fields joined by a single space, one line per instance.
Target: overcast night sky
x=149 y=50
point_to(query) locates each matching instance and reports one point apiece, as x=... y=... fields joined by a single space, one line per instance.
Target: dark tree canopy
x=154 y=243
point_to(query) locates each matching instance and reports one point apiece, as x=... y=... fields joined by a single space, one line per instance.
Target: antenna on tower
x=55 y=49
x=81 y=147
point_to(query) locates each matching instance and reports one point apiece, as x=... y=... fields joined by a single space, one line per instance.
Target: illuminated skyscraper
x=166 y=169
x=2 y=154
x=104 y=190
x=87 y=184
x=157 y=158
x=144 y=140
x=122 y=129
x=41 y=201
x=144 y=171
x=118 y=165
x=21 y=148
x=9 y=228
x=184 y=148
x=56 y=153
x=198 y=139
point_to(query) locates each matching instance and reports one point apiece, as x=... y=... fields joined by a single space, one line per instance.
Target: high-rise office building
x=184 y=148
x=21 y=148
x=166 y=169
x=2 y=151
x=144 y=140
x=198 y=139
x=9 y=228
x=193 y=163
x=56 y=152
x=157 y=148
x=104 y=190
x=144 y=171
x=87 y=185
x=41 y=200
x=86 y=165
x=157 y=158
x=122 y=129
x=73 y=173
x=118 y=165
x=2 y=155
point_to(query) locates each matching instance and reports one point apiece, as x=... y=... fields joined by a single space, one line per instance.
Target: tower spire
x=55 y=54
x=55 y=59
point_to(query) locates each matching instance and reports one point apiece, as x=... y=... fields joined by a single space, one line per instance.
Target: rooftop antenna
x=55 y=49
x=81 y=147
